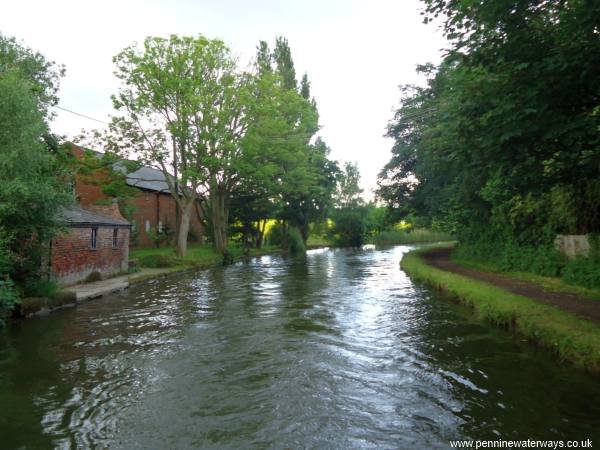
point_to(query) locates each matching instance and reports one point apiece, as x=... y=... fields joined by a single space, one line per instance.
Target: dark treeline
x=502 y=146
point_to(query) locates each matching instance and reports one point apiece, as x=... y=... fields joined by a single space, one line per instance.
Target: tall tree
x=31 y=192
x=42 y=76
x=504 y=139
x=186 y=108
x=32 y=187
x=282 y=55
x=350 y=215
x=305 y=87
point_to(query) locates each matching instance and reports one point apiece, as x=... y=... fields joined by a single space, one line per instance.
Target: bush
x=157 y=261
x=349 y=226
x=409 y=236
x=583 y=272
x=295 y=242
x=40 y=288
x=8 y=298
x=275 y=235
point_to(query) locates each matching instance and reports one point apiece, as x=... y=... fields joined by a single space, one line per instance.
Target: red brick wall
x=146 y=203
x=73 y=259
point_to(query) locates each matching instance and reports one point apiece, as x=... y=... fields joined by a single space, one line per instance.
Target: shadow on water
x=339 y=349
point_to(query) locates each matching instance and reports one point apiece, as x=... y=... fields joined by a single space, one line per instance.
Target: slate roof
x=148 y=178
x=77 y=216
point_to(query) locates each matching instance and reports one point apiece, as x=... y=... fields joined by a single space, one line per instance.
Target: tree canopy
x=32 y=190
x=504 y=139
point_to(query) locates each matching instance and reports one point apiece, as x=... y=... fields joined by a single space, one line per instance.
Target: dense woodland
x=502 y=146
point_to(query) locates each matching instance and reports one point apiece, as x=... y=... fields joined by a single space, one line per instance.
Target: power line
x=264 y=138
x=81 y=115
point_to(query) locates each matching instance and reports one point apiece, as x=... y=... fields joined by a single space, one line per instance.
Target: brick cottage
x=96 y=246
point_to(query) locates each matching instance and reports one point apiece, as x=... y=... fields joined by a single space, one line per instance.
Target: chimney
x=111 y=210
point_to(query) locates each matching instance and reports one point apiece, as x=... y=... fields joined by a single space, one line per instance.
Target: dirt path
x=580 y=306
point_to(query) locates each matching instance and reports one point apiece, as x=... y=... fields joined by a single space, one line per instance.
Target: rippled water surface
x=337 y=350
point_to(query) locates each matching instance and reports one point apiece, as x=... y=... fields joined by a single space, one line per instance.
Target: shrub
x=8 y=298
x=583 y=272
x=397 y=236
x=349 y=226
x=275 y=235
x=40 y=288
x=157 y=261
x=295 y=242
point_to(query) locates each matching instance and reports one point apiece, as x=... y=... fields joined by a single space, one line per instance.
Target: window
x=115 y=237
x=160 y=226
x=94 y=241
x=147 y=226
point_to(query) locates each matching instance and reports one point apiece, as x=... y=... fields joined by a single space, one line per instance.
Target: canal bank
x=70 y=296
x=567 y=324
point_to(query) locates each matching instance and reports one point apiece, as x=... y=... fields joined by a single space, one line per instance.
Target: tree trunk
x=285 y=242
x=262 y=225
x=219 y=217
x=184 y=227
x=304 y=231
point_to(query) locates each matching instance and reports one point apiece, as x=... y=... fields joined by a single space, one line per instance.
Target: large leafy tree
x=350 y=215
x=43 y=76
x=307 y=178
x=186 y=109
x=505 y=136
x=32 y=190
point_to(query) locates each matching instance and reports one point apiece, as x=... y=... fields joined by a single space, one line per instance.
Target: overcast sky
x=356 y=54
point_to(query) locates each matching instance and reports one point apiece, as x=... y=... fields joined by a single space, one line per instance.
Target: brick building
x=155 y=209
x=96 y=245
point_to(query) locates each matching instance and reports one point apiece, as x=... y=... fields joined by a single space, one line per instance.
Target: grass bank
x=573 y=339
x=550 y=283
x=198 y=256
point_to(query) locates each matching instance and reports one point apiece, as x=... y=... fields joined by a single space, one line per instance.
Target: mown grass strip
x=550 y=283
x=573 y=339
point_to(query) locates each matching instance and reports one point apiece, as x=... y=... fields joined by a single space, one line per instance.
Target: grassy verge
x=573 y=339
x=550 y=283
x=198 y=256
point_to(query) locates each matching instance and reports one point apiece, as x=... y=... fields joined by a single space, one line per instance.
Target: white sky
x=356 y=54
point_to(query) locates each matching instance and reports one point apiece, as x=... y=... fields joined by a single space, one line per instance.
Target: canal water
x=336 y=350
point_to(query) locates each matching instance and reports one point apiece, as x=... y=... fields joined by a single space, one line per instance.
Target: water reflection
x=338 y=350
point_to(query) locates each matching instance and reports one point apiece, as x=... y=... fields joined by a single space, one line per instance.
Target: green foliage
x=108 y=171
x=349 y=226
x=351 y=215
x=583 y=272
x=294 y=175
x=296 y=243
x=276 y=235
x=40 y=287
x=410 y=236
x=31 y=191
x=8 y=298
x=545 y=260
x=42 y=76
x=510 y=256
x=505 y=137
x=157 y=261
